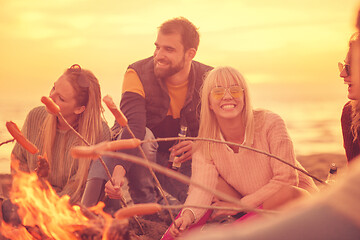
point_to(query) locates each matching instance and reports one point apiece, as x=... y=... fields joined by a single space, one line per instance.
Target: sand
x=317 y=165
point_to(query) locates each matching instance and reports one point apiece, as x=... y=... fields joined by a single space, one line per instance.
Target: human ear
x=79 y=110
x=191 y=52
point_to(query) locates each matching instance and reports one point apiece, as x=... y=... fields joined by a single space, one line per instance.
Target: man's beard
x=171 y=70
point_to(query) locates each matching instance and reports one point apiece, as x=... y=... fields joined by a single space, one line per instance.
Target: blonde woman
x=350 y=118
x=227 y=114
x=77 y=92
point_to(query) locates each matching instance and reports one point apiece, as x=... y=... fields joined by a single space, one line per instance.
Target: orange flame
x=10 y=232
x=41 y=207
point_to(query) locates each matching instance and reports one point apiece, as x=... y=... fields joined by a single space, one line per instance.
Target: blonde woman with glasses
x=77 y=93
x=350 y=118
x=260 y=181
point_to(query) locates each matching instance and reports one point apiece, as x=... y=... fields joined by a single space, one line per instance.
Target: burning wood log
x=9 y=213
x=37 y=233
x=119 y=229
x=99 y=228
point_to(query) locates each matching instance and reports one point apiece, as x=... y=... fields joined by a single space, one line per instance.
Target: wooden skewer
x=238 y=145
x=180 y=177
x=8 y=141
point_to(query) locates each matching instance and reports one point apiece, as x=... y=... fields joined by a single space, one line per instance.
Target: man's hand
x=114 y=191
x=183 y=150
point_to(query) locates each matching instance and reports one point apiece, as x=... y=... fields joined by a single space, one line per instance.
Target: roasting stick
x=55 y=109
x=150 y=208
x=96 y=150
x=237 y=145
x=123 y=122
x=8 y=141
x=173 y=174
x=124 y=205
x=238 y=209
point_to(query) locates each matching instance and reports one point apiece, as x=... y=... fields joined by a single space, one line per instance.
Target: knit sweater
x=61 y=181
x=331 y=215
x=255 y=176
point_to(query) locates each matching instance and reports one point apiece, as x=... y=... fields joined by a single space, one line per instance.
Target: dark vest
x=157 y=98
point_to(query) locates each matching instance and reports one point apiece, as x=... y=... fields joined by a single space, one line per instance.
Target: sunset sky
x=287 y=50
x=268 y=41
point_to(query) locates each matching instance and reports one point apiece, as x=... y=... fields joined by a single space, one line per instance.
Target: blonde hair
x=209 y=127
x=89 y=125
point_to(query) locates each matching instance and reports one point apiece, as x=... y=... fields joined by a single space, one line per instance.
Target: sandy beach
x=319 y=164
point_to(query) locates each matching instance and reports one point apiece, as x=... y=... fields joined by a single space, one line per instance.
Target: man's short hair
x=188 y=31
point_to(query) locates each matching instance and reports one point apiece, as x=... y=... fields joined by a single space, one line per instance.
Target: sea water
x=311 y=112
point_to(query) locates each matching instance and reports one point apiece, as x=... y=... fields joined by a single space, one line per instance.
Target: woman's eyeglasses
x=344 y=66
x=81 y=79
x=219 y=92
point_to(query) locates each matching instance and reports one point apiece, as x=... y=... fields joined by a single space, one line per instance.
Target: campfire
x=45 y=215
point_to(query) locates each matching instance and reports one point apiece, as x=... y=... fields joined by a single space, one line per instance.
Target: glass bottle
x=331 y=178
x=172 y=164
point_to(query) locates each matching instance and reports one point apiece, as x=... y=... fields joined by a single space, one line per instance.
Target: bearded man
x=160 y=94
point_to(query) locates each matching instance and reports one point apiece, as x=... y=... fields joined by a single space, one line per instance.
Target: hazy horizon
x=276 y=41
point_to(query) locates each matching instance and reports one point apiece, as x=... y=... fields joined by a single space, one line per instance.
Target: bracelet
x=191 y=212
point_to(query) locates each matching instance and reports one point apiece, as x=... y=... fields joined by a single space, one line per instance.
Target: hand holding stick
x=123 y=122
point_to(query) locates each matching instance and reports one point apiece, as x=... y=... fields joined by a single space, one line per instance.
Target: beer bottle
x=331 y=178
x=172 y=164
